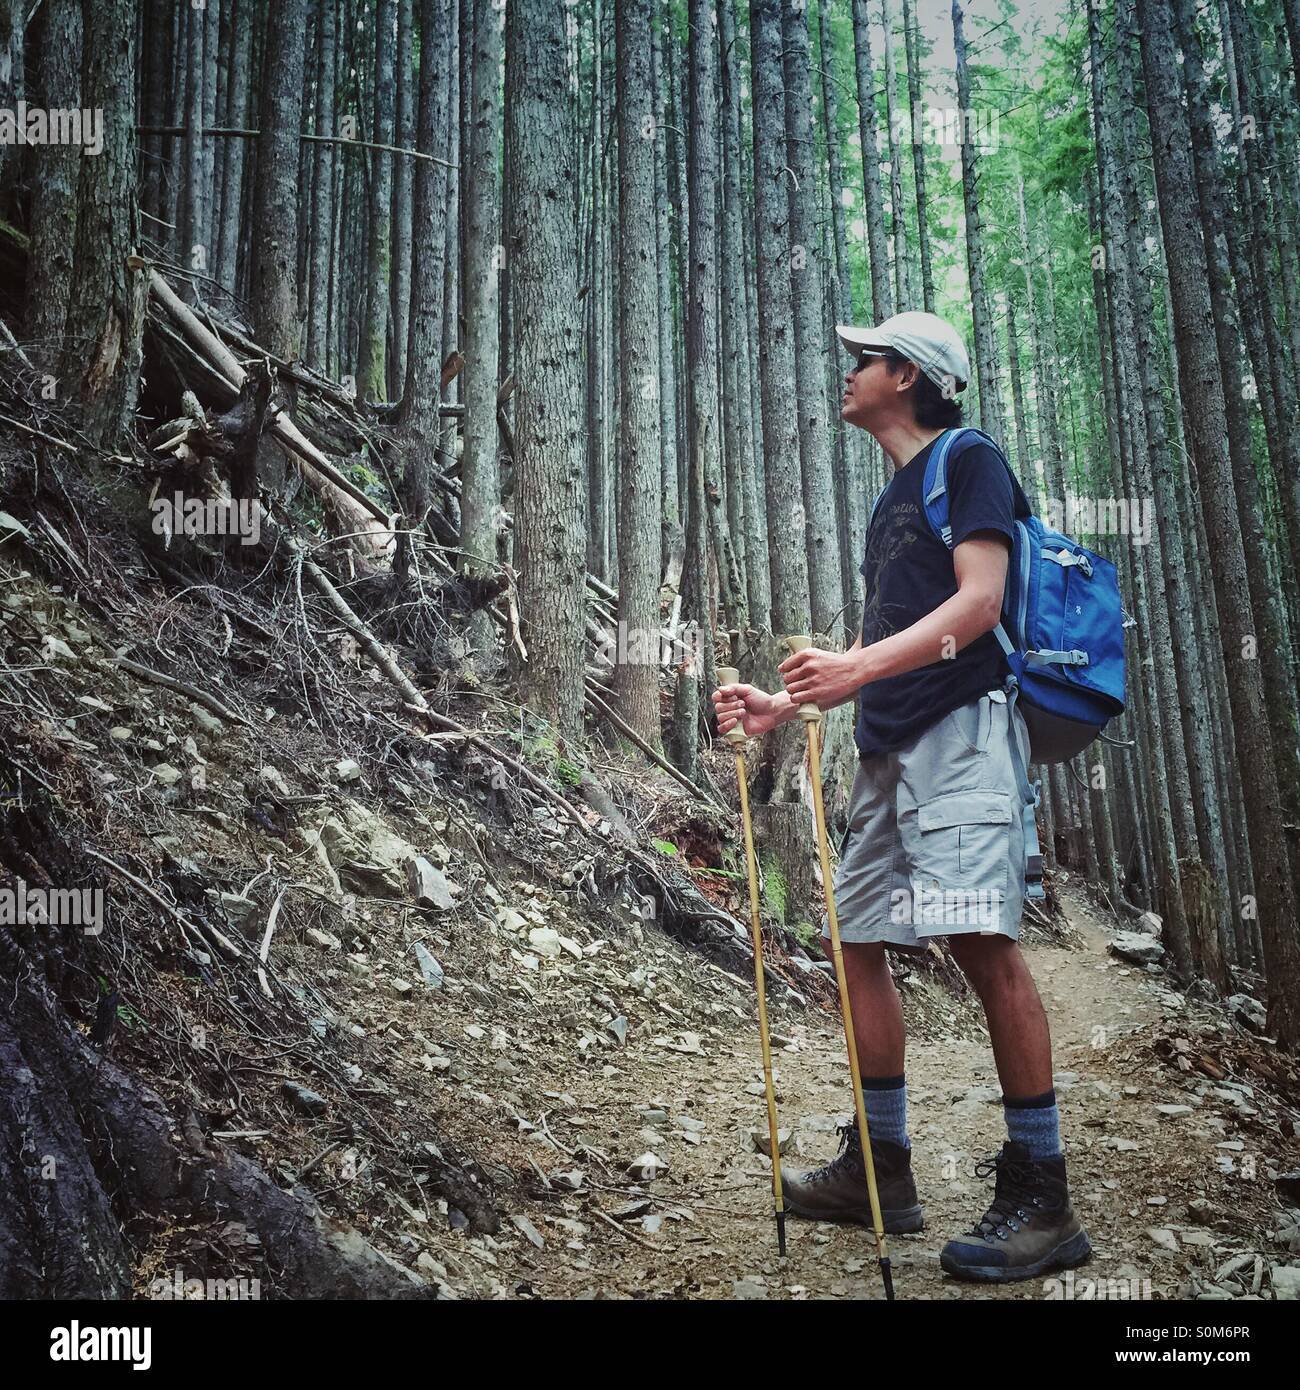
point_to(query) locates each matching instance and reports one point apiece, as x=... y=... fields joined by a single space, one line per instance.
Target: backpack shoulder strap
x=934 y=487
x=935 y=493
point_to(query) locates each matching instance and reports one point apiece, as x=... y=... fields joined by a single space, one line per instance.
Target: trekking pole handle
x=809 y=713
x=728 y=675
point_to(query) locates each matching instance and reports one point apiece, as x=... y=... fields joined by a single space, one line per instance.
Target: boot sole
x=902 y=1221
x=1074 y=1251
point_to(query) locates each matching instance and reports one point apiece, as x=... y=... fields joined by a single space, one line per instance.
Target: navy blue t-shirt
x=909 y=572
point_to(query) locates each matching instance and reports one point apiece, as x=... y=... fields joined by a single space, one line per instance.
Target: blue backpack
x=1062 y=632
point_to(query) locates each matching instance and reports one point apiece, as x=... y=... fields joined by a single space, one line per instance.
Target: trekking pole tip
x=780 y=1233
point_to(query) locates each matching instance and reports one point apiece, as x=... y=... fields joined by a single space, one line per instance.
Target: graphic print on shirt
x=890 y=538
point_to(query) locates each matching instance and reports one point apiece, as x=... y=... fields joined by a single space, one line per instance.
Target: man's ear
x=907 y=377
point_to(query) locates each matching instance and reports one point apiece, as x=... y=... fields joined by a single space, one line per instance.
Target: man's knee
x=864 y=961
x=988 y=960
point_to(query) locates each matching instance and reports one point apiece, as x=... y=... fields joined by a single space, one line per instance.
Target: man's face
x=871 y=392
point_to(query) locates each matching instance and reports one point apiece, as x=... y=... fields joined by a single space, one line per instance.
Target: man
x=935 y=841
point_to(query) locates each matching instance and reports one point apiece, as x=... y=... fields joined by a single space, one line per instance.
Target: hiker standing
x=938 y=827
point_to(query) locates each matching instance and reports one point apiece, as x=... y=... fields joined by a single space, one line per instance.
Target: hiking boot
x=837 y=1191
x=1029 y=1228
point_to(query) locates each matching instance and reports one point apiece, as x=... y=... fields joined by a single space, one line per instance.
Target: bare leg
x=1022 y=1044
x=877 y=1010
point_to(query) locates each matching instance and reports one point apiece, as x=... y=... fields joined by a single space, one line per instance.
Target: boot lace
x=1015 y=1199
x=850 y=1155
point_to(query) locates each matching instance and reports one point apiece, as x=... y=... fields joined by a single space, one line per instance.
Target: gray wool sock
x=1036 y=1123
x=885 y=1098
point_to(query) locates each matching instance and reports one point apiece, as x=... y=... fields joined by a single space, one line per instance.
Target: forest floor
x=1169 y=1169
x=471 y=1078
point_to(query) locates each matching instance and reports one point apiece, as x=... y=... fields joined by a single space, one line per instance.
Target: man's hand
x=759 y=712
x=823 y=678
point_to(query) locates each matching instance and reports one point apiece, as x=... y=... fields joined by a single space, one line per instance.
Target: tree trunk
x=322 y=212
x=480 y=487
x=11 y=91
x=232 y=154
x=157 y=28
x=53 y=219
x=806 y=291
x=275 y=202
x=403 y=183
x=985 y=339
x=417 y=419
x=902 y=276
x=1151 y=610
x=882 y=300
x=372 y=368
x=550 y=516
x=672 y=536
x=849 y=503
x=780 y=777
x=911 y=34
x=106 y=301
x=636 y=675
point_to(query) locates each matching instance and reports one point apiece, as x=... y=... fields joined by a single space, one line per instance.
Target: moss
x=775 y=890
x=567 y=773
x=809 y=936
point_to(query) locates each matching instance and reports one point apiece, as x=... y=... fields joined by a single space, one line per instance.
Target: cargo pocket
x=963 y=840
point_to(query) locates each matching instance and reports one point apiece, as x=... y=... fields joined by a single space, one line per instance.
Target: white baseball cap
x=926 y=339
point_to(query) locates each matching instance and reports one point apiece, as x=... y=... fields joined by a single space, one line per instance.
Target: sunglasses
x=870 y=352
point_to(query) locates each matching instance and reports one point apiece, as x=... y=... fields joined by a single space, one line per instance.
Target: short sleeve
x=981 y=493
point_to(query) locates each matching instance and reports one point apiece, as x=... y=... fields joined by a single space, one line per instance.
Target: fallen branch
x=634 y=738
x=227 y=946
x=15 y=346
x=244 y=133
x=346 y=497
x=411 y=695
x=264 y=950
x=524 y=771
x=192 y=692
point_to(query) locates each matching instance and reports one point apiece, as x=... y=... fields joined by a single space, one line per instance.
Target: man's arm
x=785 y=708
x=981 y=565
x=828 y=679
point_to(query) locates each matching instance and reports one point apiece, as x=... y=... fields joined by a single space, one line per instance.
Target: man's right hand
x=758 y=712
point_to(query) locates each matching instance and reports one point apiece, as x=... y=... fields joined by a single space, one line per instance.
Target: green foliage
x=808 y=936
x=665 y=846
x=128 y=1018
x=775 y=889
x=567 y=772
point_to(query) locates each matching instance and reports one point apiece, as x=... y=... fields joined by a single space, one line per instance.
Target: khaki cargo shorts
x=935 y=844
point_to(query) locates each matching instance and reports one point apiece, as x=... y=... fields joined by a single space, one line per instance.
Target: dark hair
x=930 y=406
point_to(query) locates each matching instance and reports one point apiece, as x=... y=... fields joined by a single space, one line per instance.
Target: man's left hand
x=822 y=678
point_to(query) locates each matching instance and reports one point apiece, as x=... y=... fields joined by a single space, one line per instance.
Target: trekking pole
x=811 y=716
x=728 y=675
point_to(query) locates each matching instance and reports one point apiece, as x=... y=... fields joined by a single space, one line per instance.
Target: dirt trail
x=709 y=1232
